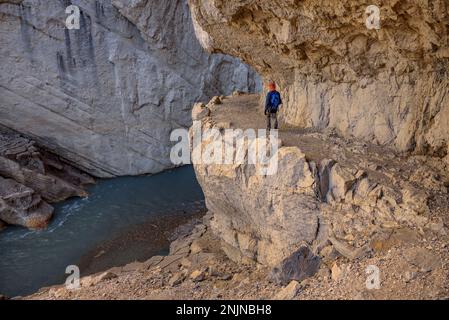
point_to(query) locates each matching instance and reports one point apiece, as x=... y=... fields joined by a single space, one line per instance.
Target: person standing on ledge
x=273 y=103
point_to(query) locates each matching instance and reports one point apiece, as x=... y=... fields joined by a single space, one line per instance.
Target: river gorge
x=87 y=115
x=86 y=230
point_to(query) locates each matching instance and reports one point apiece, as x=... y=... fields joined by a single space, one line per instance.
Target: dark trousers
x=270 y=117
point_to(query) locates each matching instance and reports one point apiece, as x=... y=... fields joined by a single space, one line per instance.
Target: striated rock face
x=30 y=178
x=256 y=217
x=329 y=193
x=389 y=85
x=107 y=96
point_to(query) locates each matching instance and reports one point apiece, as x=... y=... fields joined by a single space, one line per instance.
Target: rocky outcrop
x=329 y=193
x=387 y=85
x=106 y=96
x=31 y=178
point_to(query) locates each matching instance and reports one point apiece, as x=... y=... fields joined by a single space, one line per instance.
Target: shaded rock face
x=389 y=85
x=301 y=265
x=31 y=178
x=107 y=96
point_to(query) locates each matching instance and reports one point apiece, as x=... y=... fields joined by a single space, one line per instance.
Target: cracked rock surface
x=328 y=191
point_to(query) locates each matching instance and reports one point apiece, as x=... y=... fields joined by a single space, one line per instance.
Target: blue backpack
x=275 y=101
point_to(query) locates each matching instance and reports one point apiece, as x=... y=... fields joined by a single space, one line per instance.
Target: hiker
x=272 y=104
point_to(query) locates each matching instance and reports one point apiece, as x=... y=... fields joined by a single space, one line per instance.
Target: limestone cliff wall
x=388 y=85
x=107 y=96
